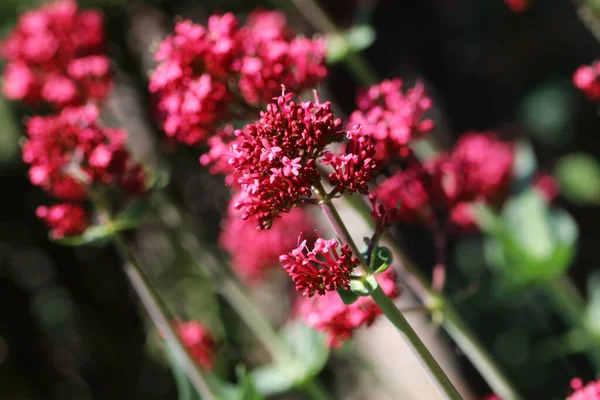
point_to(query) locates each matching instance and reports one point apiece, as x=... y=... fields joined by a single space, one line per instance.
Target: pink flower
x=275 y=158
x=587 y=79
x=392 y=118
x=70 y=152
x=207 y=73
x=518 y=6
x=319 y=275
x=591 y=391
x=546 y=185
x=483 y=179
x=255 y=253
x=64 y=219
x=199 y=343
x=46 y=52
x=338 y=321
x=217 y=158
x=353 y=170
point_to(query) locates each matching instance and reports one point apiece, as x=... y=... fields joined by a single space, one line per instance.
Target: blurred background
x=70 y=328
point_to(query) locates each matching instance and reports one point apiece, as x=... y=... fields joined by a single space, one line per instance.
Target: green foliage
x=382 y=259
x=579 y=178
x=529 y=242
x=354 y=40
x=364 y=286
x=348 y=296
x=311 y=352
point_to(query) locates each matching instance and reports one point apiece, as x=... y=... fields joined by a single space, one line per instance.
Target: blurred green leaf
x=93 y=234
x=529 y=242
x=579 y=177
x=348 y=296
x=364 y=287
x=354 y=40
x=311 y=351
x=185 y=391
x=382 y=259
x=525 y=163
x=132 y=215
x=592 y=317
x=248 y=390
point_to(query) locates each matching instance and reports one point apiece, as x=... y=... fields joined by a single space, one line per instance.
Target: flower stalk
x=388 y=308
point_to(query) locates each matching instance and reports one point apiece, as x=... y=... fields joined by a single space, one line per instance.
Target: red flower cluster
x=70 y=154
x=392 y=118
x=276 y=156
x=205 y=73
x=199 y=343
x=518 y=6
x=591 y=391
x=217 y=158
x=353 y=170
x=321 y=269
x=587 y=79
x=55 y=55
x=338 y=321
x=66 y=219
x=441 y=190
x=254 y=253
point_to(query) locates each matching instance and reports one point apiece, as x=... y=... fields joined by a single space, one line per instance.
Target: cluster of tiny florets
x=444 y=187
x=55 y=55
x=591 y=391
x=321 y=269
x=65 y=219
x=206 y=74
x=255 y=253
x=276 y=158
x=70 y=155
x=392 y=118
x=587 y=79
x=337 y=320
x=199 y=343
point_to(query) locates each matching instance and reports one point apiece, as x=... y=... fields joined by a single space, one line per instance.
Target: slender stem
x=451 y=321
x=395 y=316
x=387 y=306
x=158 y=313
x=571 y=305
x=234 y=292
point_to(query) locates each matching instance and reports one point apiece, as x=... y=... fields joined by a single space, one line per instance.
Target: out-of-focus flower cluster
x=587 y=79
x=70 y=155
x=591 y=391
x=55 y=55
x=275 y=159
x=255 y=253
x=518 y=6
x=208 y=74
x=199 y=343
x=392 y=118
x=438 y=193
x=337 y=320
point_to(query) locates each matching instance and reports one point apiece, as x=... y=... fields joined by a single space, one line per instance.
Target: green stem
x=571 y=305
x=452 y=322
x=233 y=291
x=158 y=313
x=395 y=316
x=388 y=307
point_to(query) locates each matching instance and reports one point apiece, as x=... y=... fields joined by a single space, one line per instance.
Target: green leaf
x=382 y=259
x=360 y=37
x=348 y=296
x=337 y=48
x=579 y=177
x=132 y=215
x=310 y=349
x=592 y=314
x=364 y=287
x=248 y=390
x=529 y=242
x=185 y=391
x=93 y=234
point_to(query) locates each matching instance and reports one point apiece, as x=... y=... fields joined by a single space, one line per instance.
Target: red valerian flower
x=253 y=253
x=441 y=190
x=205 y=73
x=276 y=156
x=392 y=118
x=587 y=79
x=321 y=269
x=70 y=152
x=64 y=219
x=337 y=320
x=482 y=179
x=518 y=6
x=199 y=343
x=55 y=54
x=591 y=391
x=546 y=185
x=353 y=170
x=217 y=158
